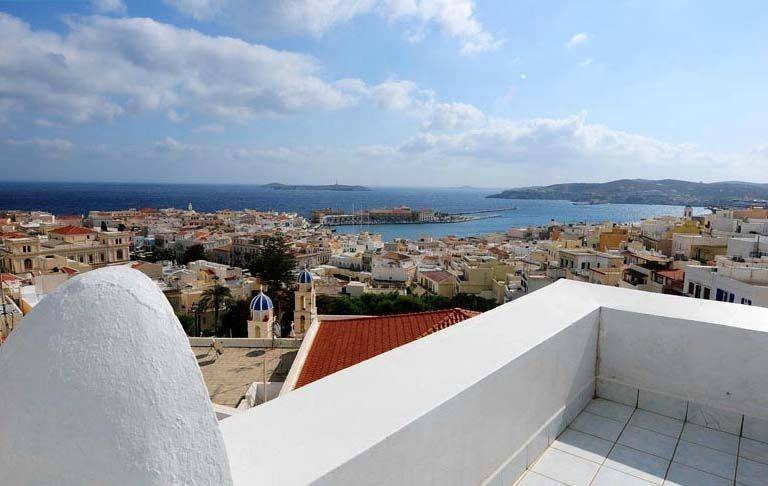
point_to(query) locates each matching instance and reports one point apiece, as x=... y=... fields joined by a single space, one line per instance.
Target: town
x=268 y=276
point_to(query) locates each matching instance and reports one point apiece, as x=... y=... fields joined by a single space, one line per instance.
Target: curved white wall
x=98 y=385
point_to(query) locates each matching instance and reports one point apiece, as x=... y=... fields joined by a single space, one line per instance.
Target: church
x=262 y=323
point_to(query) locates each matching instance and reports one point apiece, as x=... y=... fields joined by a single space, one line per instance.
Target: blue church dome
x=261 y=303
x=304 y=277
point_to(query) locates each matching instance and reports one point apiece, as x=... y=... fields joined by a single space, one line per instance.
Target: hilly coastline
x=643 y=191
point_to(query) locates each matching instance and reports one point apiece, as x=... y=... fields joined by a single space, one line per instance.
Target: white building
x=506 y=394
x=729 y=281
x=748 y=247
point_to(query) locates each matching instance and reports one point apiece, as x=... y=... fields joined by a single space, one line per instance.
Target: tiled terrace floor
x=610 y=444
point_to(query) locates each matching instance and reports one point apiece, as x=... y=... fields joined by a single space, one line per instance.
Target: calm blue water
x=79 y=198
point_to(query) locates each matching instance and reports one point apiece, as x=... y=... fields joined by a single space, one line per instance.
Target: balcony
x=507 y=394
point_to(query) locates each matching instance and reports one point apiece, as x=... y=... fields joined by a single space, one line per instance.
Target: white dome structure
x=99 y=386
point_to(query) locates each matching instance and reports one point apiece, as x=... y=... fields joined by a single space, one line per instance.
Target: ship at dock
x=398 y=215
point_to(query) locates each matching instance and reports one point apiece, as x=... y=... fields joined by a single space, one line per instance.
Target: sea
x=80 y=198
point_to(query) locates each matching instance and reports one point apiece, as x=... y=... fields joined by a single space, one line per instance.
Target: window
x=119 y=254
x=690 y=288
x=746 y=301
x=731 y=298
x=706 y=293
x=719 y=295
x=697 y=291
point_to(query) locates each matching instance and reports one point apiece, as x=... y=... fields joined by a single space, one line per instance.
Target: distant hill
x=330 y=187
x=642 y=191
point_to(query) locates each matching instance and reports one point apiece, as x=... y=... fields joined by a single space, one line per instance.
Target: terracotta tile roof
x=676 y=274
x=8 y=277
x=72 y=230
x=439 y=276
x=344 y=343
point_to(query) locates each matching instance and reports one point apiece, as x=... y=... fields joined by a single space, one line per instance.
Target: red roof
x=676 y=274
x=439 y=276
x=72 y=230
x=343 y=343
x=8 y=277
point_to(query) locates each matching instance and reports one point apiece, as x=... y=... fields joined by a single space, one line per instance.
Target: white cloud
x=405 y=96
x=586 y=62
x=500 y=152
x=198 y=9
x=209 y=128
x=109 y=6
x=454 y=18
x=577 y=39
x=105 y=67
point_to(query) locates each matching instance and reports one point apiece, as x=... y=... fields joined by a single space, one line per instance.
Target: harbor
x=400 y=215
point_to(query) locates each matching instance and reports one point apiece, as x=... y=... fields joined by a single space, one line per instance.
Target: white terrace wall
x=468 y=405
x=710 y=363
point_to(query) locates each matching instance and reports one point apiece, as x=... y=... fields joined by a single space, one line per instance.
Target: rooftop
x=228 y=376
x=643 y=442
x=339 y=344
x=70 y=230
x=506 y=394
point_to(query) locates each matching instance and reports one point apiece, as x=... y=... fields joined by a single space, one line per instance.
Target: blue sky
x=383 y=92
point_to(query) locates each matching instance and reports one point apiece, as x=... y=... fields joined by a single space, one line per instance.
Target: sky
x=485 y=93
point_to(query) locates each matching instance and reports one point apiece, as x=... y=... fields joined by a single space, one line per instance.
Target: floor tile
x=611 y=477
x=596 y=425
x=583 y=445
x=681 y=475
x=657 y=423
x=751 y=473
x=532 y=479
x=705 y=459
x=711 y=438
x=754 y=450
x=566 y=468
x=608 y=409
x=648 y=441
x=639 y=464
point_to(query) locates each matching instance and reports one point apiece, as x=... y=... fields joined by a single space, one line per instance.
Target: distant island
x=329 y=187
x=643 y=191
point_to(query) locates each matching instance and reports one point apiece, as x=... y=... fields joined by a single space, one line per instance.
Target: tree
x=159 y=254
x=234 y=320
x=394 y=303
x=217 y=298
x=187 y=323
x=194 y=253
x=274 y=264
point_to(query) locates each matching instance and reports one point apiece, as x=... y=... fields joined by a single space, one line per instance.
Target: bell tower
x=304 y=309
x=262 y=319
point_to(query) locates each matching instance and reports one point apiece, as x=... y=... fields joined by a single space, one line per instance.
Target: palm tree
x=217 y=298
